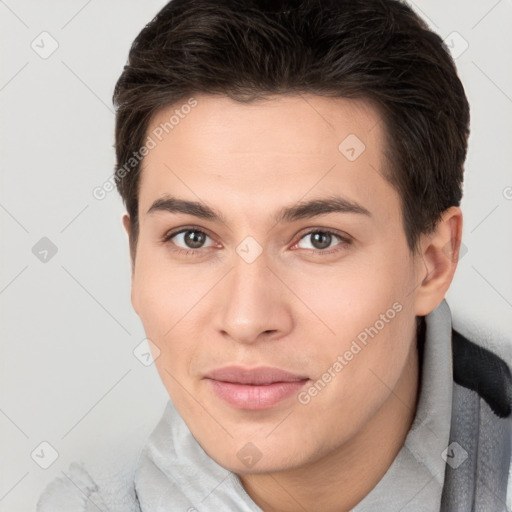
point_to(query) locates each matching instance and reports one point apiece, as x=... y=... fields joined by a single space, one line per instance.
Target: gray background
x=68 y=373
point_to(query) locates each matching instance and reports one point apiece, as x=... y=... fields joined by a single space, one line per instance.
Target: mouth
x=254 y=389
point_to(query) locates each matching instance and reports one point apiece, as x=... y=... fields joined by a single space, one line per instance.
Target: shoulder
x=78 y=491
x=483 y=371
x=479 y=473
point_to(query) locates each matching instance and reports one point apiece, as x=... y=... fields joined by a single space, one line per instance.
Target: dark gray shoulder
x=478 y=369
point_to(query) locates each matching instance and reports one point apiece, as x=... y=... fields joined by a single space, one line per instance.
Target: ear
x=127 y=226
x=437 y=261
x=127 y=223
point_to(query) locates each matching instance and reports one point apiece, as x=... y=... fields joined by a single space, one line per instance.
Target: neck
x=340 y=480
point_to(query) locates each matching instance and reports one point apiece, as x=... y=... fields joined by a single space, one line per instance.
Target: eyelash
x=345 y=240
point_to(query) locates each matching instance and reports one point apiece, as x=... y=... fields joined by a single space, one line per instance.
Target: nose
x=253 y=303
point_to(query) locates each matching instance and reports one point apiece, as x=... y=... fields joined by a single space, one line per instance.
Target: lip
x=254 y=388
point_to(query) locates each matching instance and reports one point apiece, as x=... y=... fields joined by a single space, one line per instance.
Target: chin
x=250 y=460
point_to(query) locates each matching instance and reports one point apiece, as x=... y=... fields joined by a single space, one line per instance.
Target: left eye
x=321 y=240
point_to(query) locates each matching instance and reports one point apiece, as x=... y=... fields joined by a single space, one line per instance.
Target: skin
x=294 y=307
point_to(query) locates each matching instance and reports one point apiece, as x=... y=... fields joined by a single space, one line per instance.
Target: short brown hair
x=378 y=50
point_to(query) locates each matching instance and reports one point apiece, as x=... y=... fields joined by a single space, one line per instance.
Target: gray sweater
x=456 y=456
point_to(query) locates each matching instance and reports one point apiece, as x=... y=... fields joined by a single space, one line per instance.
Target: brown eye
x=194 y=239
x=320 y=240
x=189 y=239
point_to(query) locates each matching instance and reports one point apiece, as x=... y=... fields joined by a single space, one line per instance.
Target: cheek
x=162 y=293
x=165 y=302
x=365 y=315
x=351 y=295
x=173 y=305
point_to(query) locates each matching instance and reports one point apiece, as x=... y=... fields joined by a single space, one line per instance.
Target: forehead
x=278 y=150
x=304 y=124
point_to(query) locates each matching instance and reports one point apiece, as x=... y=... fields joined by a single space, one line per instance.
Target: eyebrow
x=314 y=207
x=174 y=205
x=301 y=210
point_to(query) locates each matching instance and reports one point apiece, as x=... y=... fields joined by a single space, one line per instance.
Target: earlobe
x=438 y=261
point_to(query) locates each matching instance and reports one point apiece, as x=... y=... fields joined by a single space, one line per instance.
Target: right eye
x=187 y=241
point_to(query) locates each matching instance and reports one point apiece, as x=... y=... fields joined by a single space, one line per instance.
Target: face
x=283 y=300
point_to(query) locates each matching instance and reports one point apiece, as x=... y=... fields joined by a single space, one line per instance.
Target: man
x=292 y=172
